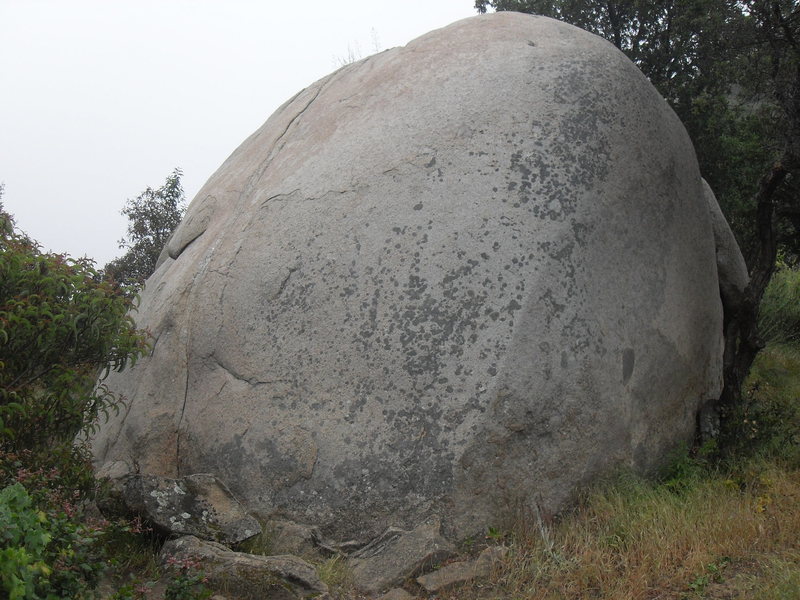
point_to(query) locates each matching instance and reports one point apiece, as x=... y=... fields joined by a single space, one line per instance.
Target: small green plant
x=684 y=469
x=188 y=581
x=261 y=544
x=495 y=534
x=45 y=554
x=135 y=590
x=712 y=573
x=468 y=545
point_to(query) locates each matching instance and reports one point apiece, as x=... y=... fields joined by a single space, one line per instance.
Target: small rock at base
x=462 y=571
x=289 y=537
x=399 y=555
x=488 y=558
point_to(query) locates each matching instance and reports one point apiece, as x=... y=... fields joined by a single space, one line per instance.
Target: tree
x=60 y=325
x=153 y=216
x=731 y=71
x=775 y=53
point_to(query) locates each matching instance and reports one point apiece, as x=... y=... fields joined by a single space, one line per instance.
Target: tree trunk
x=742 y=341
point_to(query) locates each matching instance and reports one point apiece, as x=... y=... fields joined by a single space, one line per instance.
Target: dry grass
x=336 y=574
x=780 y=581
x=641 y=541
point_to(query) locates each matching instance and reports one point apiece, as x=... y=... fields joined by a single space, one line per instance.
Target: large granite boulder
x=454 y=279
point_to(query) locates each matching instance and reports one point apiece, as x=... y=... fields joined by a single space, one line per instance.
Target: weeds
x=188 y=581
x=779 y=312
x=767 y=424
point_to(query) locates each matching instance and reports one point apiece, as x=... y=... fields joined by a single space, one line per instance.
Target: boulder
x=455 y=278
x=198 y=505
x=733 y=281
x=241 y=576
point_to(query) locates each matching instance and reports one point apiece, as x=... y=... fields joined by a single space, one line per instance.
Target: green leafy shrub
x=45 y=554
x=51 y=538
x=24 y=537
x=60 y=327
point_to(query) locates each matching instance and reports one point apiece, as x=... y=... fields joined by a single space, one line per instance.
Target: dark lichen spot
x=628 y=360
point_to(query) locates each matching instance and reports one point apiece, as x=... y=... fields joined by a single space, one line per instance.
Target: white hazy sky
x=100 y=99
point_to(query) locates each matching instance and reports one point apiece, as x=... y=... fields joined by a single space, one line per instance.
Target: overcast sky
x=101 y=99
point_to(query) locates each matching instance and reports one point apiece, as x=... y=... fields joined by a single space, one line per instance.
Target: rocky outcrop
x=397 y=555
x=458 y=278
x=240 y=576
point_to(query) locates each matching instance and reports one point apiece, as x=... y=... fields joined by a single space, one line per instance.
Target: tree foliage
x=674 y=42
x=60 y=325
x=153 y=216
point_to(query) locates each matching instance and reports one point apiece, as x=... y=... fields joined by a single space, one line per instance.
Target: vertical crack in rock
x=279 y=143
x=153 y=347
x=180 y=419
x=187 y=345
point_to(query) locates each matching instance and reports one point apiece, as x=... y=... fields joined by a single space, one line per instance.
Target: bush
x=53 y=542
x=45 y=554
x=188 y=582
x=60 y=327
x=24 y=538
